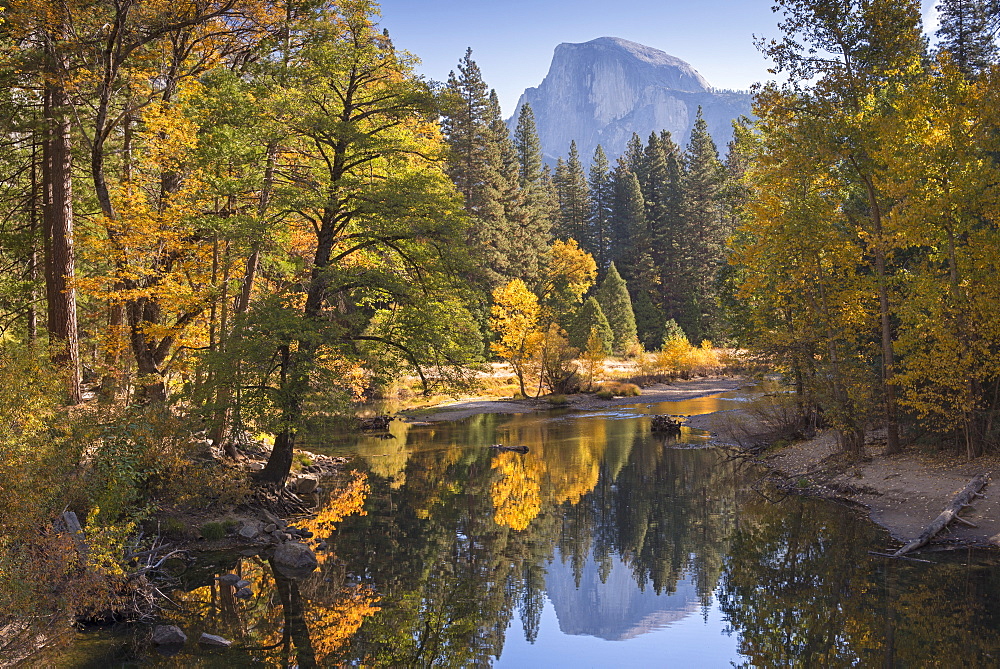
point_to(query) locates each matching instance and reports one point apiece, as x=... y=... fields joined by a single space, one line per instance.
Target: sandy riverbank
x=903 y=493
x=661 y=392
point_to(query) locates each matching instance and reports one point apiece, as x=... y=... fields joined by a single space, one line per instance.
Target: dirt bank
x=661 y=392
x=903 y=493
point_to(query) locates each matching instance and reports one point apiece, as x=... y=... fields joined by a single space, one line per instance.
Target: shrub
x=213 y=531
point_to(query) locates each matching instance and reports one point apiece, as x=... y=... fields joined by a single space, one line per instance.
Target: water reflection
x=603 y=534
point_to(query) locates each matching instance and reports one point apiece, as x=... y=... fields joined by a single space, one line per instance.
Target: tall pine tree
x=601 y=197
x=705 y=230
x=967 y=31
x=574 y=201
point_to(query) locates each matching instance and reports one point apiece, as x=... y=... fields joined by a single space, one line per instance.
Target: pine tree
x=631 y=159
x=670 y=234
x=465 y=129
x=480 y=160
x=601 y=197
x=705 y=231
x=574 y=201
x=528 y=146
x=493 y=233
x=617 y=306
x=588 y=318
x=967 y=31
x=534 y=230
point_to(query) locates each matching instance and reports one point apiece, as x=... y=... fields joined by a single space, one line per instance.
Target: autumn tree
x=514 y=320
x=850 y=51
x=375 y=213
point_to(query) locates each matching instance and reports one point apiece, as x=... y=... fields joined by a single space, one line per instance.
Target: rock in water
x=294 y=560
x=229 y=579
x=168 y=635
x=214 y=641
x=306 y=484
x=601 y=91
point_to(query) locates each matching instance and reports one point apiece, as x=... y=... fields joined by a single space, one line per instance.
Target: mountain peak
x=601 y=91
x=645 y=54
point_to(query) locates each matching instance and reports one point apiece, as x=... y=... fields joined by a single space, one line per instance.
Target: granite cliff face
x=602 y=91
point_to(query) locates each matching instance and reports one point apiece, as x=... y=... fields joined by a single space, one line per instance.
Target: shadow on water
x=605 y=545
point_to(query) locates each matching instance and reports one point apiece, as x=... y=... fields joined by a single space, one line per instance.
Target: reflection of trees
x=801 y=590
x=668 y=512
x=463 y=545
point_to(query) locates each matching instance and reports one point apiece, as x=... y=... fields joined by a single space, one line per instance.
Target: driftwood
x=668 y=424
x=950 y=514
x=514 y=449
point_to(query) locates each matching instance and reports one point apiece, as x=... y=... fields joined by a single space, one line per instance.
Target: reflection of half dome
x=616 y=609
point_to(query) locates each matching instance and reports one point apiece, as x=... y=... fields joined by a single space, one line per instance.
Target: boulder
x=294 y=560
x=250 y=529
x=305 y=485
x=168 y=635
x=214 y=641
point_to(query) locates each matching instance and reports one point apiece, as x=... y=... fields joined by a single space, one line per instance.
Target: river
x=606 y=545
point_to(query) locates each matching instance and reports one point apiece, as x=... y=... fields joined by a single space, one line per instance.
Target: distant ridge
x=601 y=91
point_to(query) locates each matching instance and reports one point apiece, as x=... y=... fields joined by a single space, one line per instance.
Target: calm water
x=604 y=546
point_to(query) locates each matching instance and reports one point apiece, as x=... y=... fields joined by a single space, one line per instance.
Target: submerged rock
x=214 y=641
x=229 y=579
x=168 y=635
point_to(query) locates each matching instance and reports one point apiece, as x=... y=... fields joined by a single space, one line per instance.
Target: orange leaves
x=346 y=501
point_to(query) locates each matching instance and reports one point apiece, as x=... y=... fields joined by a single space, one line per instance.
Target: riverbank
x=902 y=493
x=660 y=392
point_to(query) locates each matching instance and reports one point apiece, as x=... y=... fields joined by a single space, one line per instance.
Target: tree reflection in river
x=802 y=590
x=620 y=532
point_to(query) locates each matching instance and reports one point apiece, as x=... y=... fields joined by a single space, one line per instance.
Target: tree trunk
x=57 y=233
x=293 y=390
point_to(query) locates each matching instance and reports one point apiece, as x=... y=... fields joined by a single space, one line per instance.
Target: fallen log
x=950 y=513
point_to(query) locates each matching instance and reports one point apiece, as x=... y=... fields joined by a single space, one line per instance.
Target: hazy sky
x=512 y=41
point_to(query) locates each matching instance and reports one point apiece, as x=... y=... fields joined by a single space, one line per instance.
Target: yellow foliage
x=514 y=318
x=516 y=490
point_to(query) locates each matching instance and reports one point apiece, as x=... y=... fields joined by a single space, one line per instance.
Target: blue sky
x=512 y=41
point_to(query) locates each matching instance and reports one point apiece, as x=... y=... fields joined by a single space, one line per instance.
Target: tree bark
x=57 y=230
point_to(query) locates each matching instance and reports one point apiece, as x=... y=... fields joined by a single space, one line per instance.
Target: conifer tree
x=631 y=159
x=670 y=235
x=617 y=306
x=705 y=230
x=967 y=31
x=574 y=201
x=534 y=229
x=601 y=197
x=464 y=124
x=480 y=163
x=589 y=318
